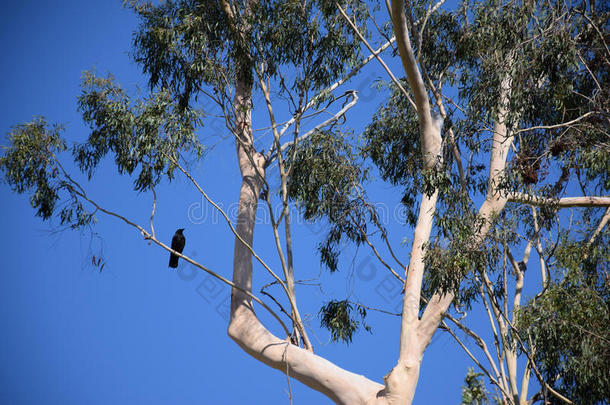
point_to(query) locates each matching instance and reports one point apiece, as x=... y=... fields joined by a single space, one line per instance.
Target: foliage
x=567 y=327
x=474 y=391
x=147 y=134
x=543 y=65
x=324 y=182
x=30 y=165
x=187 y=44
x=324 y=173
x=339 y=318
x=182 y=46
x=392 y=142
x=309 y=34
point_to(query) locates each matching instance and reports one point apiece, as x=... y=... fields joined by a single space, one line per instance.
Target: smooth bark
x=245 y=329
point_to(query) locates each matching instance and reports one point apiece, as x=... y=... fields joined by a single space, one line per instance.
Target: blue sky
x=137 y=332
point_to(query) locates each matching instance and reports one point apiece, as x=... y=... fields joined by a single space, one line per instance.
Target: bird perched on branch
x=178 y=242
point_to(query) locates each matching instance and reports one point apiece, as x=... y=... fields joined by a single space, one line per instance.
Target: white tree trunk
x=245 y=329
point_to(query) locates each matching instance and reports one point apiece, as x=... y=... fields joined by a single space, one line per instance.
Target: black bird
x=178 y=242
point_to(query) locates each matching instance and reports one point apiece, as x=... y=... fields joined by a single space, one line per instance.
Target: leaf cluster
x=474 y=391
x=146 y=134
x=392 y=142
x=340 y=318
x=187 y=45
x=324 y=183
x=30 y=165
x=567 y=327
x=310 y=35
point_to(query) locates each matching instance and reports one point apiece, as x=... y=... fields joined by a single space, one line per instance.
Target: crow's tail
x=173 y=260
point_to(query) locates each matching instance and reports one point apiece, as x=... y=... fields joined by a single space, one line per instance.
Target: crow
x=178 y=242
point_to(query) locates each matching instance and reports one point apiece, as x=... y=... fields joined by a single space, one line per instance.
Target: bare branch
x=479 y=341
x=508 y=348
x=152 y=214
x=329 y=121
x=565 y=202
x=376 y=55
x=518 y=282
x=541 y=380
x=224 y=215
x=563 y=124
x=543 y=267
x=383 y=311
x=375 y=251
x=287 y=265
x=315 y=99
x=496 y=336
x=600 y=227
x=475 y=360
x=150 y=237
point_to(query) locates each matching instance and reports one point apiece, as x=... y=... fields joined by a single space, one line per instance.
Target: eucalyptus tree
x=522 y=89
x=500 y=110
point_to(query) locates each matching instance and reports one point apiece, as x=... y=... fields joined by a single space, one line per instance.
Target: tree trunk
x=245 y=329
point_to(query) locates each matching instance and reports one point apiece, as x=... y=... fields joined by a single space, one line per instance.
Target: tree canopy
x=498 y=117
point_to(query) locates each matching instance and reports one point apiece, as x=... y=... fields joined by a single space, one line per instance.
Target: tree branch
x=244 y=326
x=226 y=218
x=150 y=237
x=315 y=99
x=152 y=213
x=376 y=55
x=475 y=360
x=430 y=136
x=287 y=265
x=600 y=227
x=563 y=124
x=494 y=203
x=329 y=121
x=565 y=202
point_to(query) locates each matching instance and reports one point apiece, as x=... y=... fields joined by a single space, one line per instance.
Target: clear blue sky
x=137 y=332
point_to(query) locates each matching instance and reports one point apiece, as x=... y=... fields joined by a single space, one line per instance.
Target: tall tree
x=501 y=109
